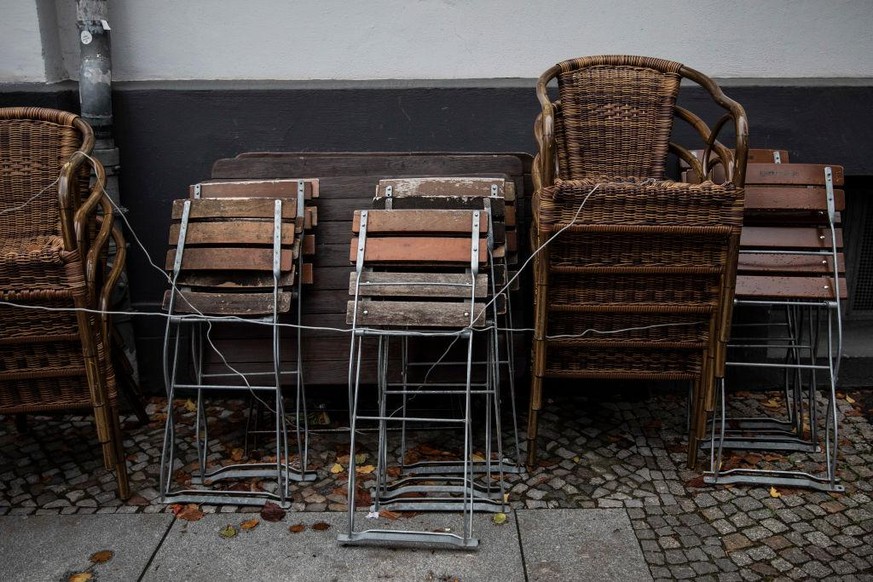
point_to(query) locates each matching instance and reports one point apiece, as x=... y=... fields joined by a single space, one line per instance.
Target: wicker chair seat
x=633 y=201
x=41 y=263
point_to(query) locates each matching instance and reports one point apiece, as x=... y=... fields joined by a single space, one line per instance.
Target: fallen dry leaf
x=388 y=514
x=774 y=492
x=499 y=518
x=850 y=400
x=477 y=458
x=360 y=458
x=336 y=468
x=236 y=455
x=249 y=524
x=190 y=512
x=272 y=512
x=320 y=526
x=297 y=528
x=227 y=532
x=101 y=557
x=80 y=577
x=365 y=469
x=393 y=471
x=190 y=406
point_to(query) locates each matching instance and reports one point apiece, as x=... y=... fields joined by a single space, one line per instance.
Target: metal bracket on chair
x=277 y=240
x=197 y=191
x=183 y=231
x=301 y=192
x=829 y=191
x=362 y=243
x=494 y=191
x=486 y=205
x=777 y=157
x=389 y=197
x=474 y=244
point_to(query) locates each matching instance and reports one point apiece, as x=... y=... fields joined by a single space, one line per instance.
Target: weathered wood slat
x=393 y=284
x=233 y=259
x=232 y=232
x=787 y=288
x=498 y=205
x=418 y=221
x=787 y=263
x=792 y=174
x=418 y=249
x=788 y=237
x=228 y=208
x=277 y=188
x=414 y=313
x=308 y=245
x=234 y=280
x=306 y=274
x=798 y=198
x=240 y=304
x=450 y=186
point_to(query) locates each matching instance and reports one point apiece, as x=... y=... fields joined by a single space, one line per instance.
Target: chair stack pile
x=54 y=233
x=633 y=272
x=236 y=256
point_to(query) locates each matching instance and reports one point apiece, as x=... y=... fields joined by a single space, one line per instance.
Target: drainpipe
x=95 y=99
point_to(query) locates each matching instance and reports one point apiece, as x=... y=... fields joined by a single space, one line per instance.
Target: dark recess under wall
x=169 y=134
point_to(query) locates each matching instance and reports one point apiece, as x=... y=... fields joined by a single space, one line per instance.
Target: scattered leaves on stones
x=272 y=512
x=80 y=577
x=249 y=524
x=320 y=526
x=227 y=531
x=189 y=512
x=774 y=492
x=297 y=528
x=499 y=518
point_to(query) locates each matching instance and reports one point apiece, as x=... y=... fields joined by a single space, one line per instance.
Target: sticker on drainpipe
x=85 y=37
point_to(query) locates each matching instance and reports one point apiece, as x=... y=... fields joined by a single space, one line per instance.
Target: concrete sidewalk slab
x=581 y=544
x=52 y=547
x=194 y=551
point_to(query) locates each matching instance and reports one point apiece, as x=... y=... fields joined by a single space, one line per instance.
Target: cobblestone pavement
x=621 y=450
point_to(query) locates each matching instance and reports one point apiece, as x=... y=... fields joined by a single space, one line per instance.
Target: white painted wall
x=445 y=39
x=21 y=57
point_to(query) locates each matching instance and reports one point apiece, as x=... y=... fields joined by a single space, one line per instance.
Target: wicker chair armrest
x=734 y=112
x=544 y=128
x=68 y=199
x=112 y=277
x=92 y=250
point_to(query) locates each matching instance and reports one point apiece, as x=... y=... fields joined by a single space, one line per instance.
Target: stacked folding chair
x=790 y=267
x=633 y=272
x=496 y=197
x=422 y=274
x=236 y=257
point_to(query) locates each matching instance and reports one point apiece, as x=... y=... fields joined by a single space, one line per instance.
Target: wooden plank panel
x=228 y=208
x=787 y=237
x=787 y=288
x=448 y=186
x=233 y=259
x=232 y=232
x=376 y=283
x=419 y=249
x=390 y=164
x=797 y=198
x=276 y=188
x=498 y=205
x=414 y=313
x=306 y=274
x=241 y=304
x=308 y=245
x=418 y=221
x=791 y=174
x=234 y=280
x=750 y=263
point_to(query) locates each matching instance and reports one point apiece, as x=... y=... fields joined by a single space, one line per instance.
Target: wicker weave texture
x=617 y=115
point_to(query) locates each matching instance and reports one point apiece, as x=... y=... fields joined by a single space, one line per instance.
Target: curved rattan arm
x=92 y=250
x=737 y=113
x=702 y=167
x=105 y=299
x=544 y=129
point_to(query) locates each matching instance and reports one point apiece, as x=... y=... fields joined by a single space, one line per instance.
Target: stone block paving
x=621 y=450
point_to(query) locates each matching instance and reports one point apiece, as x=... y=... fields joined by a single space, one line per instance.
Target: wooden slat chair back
x=52 y=255
x=236 y=251
x=791 y=261
x=425 y=265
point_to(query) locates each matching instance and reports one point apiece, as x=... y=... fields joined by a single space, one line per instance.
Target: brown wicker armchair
x=634 y=273
x=52 y=255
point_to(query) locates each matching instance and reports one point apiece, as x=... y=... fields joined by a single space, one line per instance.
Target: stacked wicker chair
x=55 y=356
x=634 y=273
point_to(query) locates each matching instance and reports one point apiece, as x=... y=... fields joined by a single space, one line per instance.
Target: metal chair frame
x=281 y=470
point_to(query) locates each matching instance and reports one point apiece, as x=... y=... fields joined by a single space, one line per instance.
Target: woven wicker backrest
x=34 y=144
x=616 y=116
